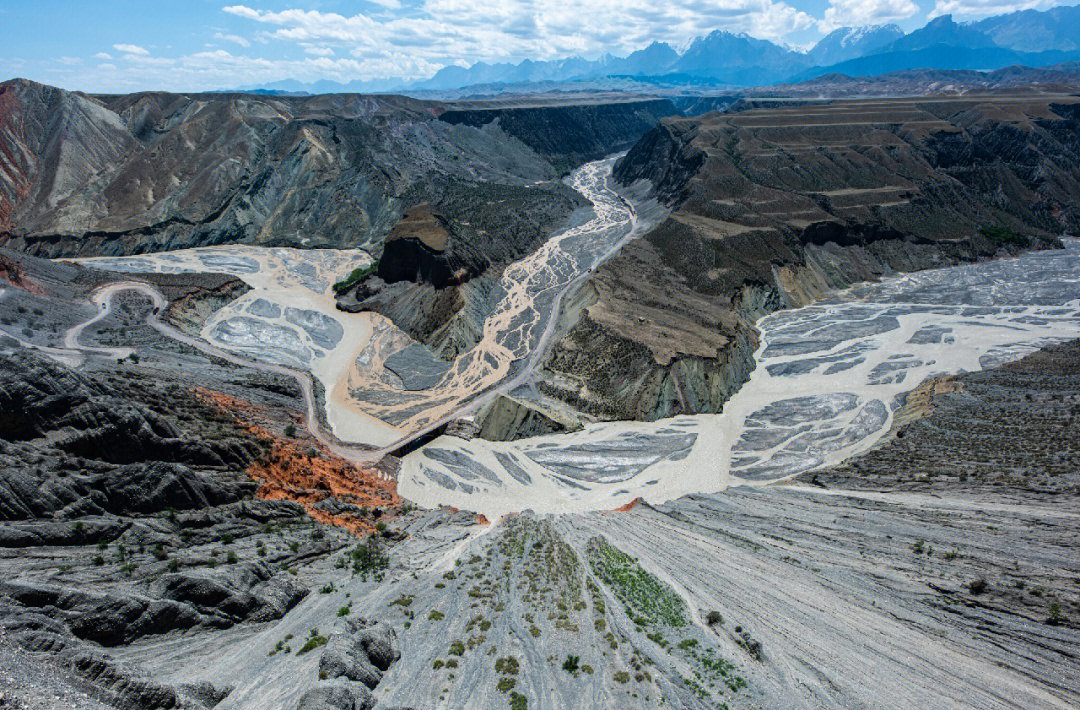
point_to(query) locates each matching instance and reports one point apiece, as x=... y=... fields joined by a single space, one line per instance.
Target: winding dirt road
x=103 y=297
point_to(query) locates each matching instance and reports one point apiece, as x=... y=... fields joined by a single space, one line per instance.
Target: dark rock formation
x=243 y=592
x=352 y=662
x=443 y=260
x=360 y=654
x=106 y=451
x=1013 y=428
x=508 y=418
x=574 y=134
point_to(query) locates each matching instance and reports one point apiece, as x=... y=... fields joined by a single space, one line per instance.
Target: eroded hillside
x=82 y=175
x=777 y=205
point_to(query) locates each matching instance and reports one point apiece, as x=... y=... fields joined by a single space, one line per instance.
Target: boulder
x=336 y=695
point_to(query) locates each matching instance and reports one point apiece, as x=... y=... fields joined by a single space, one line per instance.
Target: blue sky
x=117 y=45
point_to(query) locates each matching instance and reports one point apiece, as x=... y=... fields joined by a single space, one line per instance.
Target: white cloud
x=855 y=13
x=319 y=51
x=130 y=49
x=69 y=61
x=232 y=38
x=441 y=32
x=969 y=9
x=102 y=55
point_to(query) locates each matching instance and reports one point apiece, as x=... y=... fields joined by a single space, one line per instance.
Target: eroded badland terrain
x=350 y=402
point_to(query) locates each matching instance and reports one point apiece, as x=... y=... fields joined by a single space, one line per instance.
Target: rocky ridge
x=122 y=174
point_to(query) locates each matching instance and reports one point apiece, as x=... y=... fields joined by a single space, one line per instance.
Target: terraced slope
x=776 y=205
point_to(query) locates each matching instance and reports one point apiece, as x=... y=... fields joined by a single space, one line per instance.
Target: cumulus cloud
x=969 y=9
x=212 y=69
x=319 y=51
x=102 y=55
x=232 y=38
x=855 y=13
x=130 y=49
x=441 y=32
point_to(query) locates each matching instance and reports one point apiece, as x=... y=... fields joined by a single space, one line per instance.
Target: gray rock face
x=244 y=592
x=362 y=654
x=336 y=695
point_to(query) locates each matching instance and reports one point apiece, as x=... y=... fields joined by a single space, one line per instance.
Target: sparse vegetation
x=314 y=640
x=1004 y=235
x=646 y=598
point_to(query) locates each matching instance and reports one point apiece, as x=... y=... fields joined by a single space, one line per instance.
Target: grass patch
x=646 y=598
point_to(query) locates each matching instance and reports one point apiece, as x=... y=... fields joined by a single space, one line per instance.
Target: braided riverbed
x=828 y=381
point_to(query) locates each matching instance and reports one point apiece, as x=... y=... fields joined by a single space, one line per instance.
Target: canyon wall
x=775 y=207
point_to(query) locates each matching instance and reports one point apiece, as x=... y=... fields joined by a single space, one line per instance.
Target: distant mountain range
x=1029 y=37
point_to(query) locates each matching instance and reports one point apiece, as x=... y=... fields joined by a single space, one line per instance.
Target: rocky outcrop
x=508 y=418
x=1009 y=429
x=569 y=135
x=775 y=207
x=135 y=458
x=195 y=304
x=350 y=667
x=442 y=261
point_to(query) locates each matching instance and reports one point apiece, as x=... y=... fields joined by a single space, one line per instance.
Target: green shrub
x=311 y=644
x=368 y=556
x=505 y=684
x=648 y=600
x=570 y=665
x=507 y=665
x=355 y=275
